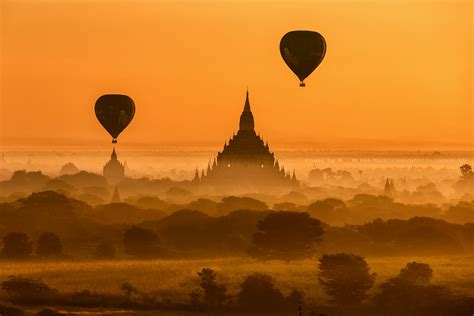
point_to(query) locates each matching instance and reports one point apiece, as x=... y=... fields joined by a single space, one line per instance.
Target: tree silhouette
x=286 y=235
x=416 y=272
x=466 y=170
x=17 y=246
x=410 y=293
x=345 y=277
x=141 y=243
x=48 y=245
x=214 y=293
x=259 y=293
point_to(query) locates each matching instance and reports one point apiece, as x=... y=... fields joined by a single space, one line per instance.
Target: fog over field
x=237 y=158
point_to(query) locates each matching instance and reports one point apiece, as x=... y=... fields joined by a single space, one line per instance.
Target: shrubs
x=345 y=278
x=27 y=291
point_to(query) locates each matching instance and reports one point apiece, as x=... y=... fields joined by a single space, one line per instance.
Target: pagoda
x=114 y=170
x=246 y=163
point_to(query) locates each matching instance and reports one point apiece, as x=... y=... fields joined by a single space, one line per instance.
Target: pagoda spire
x=246 y=118
x=247 y=102
x=114 y=155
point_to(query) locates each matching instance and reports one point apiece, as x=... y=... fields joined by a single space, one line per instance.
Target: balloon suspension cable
x=114 y=140
x=302 y=84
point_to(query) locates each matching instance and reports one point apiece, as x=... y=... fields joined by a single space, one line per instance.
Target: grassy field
x=174 y=279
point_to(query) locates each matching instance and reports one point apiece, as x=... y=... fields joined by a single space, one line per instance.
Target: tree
x=345 y=277
x=141 y=243
x=259 y=293
x=331 y=211
x=48 y=245
x=214 y=293
x=234 y=203
x=466 y=181
x=17 y=246
x=286 y=235
x=410 y=292
x=466 y=170
x=416 y=272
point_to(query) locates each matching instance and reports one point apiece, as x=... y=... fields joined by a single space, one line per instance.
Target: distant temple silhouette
x=114 y=171
x=246 y=162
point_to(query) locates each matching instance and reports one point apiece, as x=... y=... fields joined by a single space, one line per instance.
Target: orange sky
x=396 y=73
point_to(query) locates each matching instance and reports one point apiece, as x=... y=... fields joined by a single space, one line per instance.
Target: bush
x=27 y=291
x=345 y=278
x=17 y=246
x=48 y=245
x=259 y=293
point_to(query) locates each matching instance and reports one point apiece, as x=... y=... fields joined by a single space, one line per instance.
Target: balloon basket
x=114 y=141
x=302 y=84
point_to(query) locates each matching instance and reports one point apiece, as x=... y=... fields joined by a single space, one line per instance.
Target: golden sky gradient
x=396 y=73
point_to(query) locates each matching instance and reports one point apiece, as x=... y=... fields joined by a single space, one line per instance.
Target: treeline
x=88 y=232
x=344 y=278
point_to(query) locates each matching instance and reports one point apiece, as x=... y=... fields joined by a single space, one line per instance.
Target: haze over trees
x=286 y=235
x=49 y=245
x=141 y=243
x=17 y=245
x=412 y=293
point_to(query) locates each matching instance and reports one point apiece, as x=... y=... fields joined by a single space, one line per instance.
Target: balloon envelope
x=302 y=51
x=114 y=112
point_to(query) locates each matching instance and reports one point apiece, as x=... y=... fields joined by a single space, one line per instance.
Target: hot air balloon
x=302 y=51
x=114 y=112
